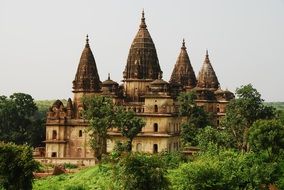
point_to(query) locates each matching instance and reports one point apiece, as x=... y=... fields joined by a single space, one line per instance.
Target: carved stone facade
x=143 y=91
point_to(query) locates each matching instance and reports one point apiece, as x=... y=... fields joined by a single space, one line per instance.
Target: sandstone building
x=143 y=91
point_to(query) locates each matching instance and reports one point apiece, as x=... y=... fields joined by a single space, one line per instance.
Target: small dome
x=159 y=82
x=57 y=104
x=109 y=82
x=109 y=86
x=159 y=85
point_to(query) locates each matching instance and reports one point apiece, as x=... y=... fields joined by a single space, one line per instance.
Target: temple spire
x=142 y=61
x=207 y=77
x=183 y=73
x=87 y=78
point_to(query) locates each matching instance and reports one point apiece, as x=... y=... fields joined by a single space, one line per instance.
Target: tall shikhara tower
x=183 y=73
x=142 y=64
x=87 y=81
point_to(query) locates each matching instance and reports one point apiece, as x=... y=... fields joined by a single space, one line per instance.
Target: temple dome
x=159 y=85
x=183 y=72
x=142 y=61
x=87 y=77
x=207 y=77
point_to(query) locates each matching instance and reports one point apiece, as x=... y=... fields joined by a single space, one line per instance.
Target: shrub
x=142 y=172
x=16 y=166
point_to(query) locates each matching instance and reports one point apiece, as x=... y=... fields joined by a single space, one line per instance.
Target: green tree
x=210 y=135
x=223 y=169
x=100 y=113
x=142 y=172
x=242 y=112
x=18 y=120
x=16 y=167
x=128 y=124
x=196 y=117
x=268 y=136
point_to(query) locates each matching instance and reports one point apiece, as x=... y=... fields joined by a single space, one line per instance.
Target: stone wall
x=76 y=161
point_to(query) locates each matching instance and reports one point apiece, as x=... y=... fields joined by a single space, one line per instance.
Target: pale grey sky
x=41 y=41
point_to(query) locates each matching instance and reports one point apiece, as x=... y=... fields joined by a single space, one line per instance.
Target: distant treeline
x=277 y=105
x=44 y=105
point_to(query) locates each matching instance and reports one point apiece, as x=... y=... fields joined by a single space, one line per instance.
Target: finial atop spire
x=108 y=77
x=143 y=24
x=207 y=57
x=183 y=44
x=87 y=40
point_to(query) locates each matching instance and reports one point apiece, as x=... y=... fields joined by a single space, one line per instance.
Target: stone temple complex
x=144 y=91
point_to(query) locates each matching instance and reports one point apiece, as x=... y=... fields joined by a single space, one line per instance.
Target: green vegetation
x=16 y=166
x=103 y=115
x=247 y=152
x=98 y=177
x=196 y=118
x=20 y=121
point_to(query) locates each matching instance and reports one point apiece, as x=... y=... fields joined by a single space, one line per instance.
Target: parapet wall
x=75 y=161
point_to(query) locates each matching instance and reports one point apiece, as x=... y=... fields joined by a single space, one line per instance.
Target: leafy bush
x=70 y=166
x=173 y=159
x=16 y=166
x=142 y=172
x=225 y=170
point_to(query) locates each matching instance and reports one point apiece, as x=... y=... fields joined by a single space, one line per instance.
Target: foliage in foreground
x=226 y=170
x=142 y=172
x=97 y=177
x=134 y=171
x=16 y=167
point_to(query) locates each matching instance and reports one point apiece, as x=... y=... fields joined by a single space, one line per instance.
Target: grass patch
x=97 y=177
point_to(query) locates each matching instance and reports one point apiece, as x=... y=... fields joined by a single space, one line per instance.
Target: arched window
x=155 y=126
x=139 y=147
x=54 y=134
x=155 y=148
x=156 y=108
x=80 y=133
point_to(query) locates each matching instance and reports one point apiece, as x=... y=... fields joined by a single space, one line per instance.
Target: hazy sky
x=41 y=41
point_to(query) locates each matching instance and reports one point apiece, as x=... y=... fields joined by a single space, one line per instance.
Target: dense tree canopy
x=142 y=172
x=19 y=121
x=100 y=113
x=128 y=124
x=242 y=112
x=268 y=136
x=16 y=167
x=196 y=117
x=223 y=169
x=103 y=115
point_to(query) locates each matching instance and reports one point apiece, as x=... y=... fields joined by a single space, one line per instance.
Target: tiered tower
x=183 y=73
x=142 y=65
x=87 y=81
